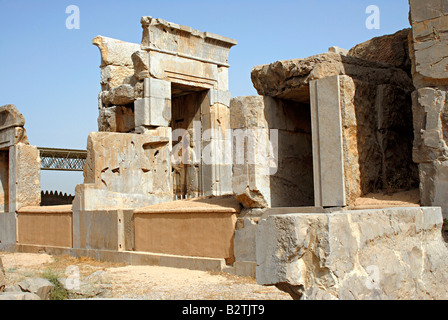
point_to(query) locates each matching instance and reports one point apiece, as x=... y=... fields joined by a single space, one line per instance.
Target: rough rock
x=141 y=65
x=119 y=96
x=94 y=285
x=289 y=79
x=113 y=76
x=39 y=286
x=116 y=119
x=394 y=253
x=392 y=49
x=115 y=52
x=10 y=117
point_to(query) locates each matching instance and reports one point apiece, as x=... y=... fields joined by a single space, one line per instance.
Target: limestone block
x=248 y=112
x=119 y=96
x=219 y=96
x=223 y=78
x=25 y=165
x=427 y=10
x=12 y=136
x=429 y=21
x=290 y=79
x=155 y=88
x=430 y=123
x=113 y=76
x=244 y=241
x=177 y=69
x=184 y=41
x=394 y=253
x=130 y=163
x=10 y=117
x=8 y=235
x=141 y=65
x=115 y=52
x=116 y=119
x=434 y=185
x=152 y=111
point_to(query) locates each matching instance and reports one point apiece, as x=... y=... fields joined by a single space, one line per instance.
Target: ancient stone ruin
x=329 y=184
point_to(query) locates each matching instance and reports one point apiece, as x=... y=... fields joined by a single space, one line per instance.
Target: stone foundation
x=394 y=253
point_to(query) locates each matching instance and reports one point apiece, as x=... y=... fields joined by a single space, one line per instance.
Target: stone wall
x=429 y=54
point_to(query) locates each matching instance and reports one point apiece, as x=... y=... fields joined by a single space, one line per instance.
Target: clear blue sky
x=52 y=73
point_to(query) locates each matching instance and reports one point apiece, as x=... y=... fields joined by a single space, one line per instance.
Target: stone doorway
x=186 y=120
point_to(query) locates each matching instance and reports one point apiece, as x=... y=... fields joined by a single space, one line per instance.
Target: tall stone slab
x=328 y=162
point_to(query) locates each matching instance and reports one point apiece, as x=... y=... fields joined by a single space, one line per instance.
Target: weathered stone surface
x=365 y=254
x=39 y=286
x=130 y=163
x=2 y=276
x=113 y=76
x=272 y=152
x=392 y=49
x=429 y=50
x=141 y=65
x=430 y=107
x=116 y=119
x=171 y=38
x=94 y=285
x=433 y=184
x=289 y=79
x=10 y=117
x=338 y=50
x=121 y=95
x=19 y=296
x=27 y=176
x=115 y=52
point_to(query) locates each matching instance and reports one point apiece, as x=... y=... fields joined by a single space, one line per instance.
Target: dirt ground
x=119 y=281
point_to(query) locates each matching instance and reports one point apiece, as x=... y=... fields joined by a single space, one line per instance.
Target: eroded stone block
x=130 y=163
x=394 y=253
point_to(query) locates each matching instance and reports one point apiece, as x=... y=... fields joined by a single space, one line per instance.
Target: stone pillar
x=216 y=144
x=328 y=162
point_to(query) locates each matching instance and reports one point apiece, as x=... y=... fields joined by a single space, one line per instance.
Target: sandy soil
x=409 y=198
x=142 y=282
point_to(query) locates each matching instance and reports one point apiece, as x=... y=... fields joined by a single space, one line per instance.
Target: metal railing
x=62 y=159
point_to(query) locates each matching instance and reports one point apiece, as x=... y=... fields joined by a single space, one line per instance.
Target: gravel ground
x=119 y=281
